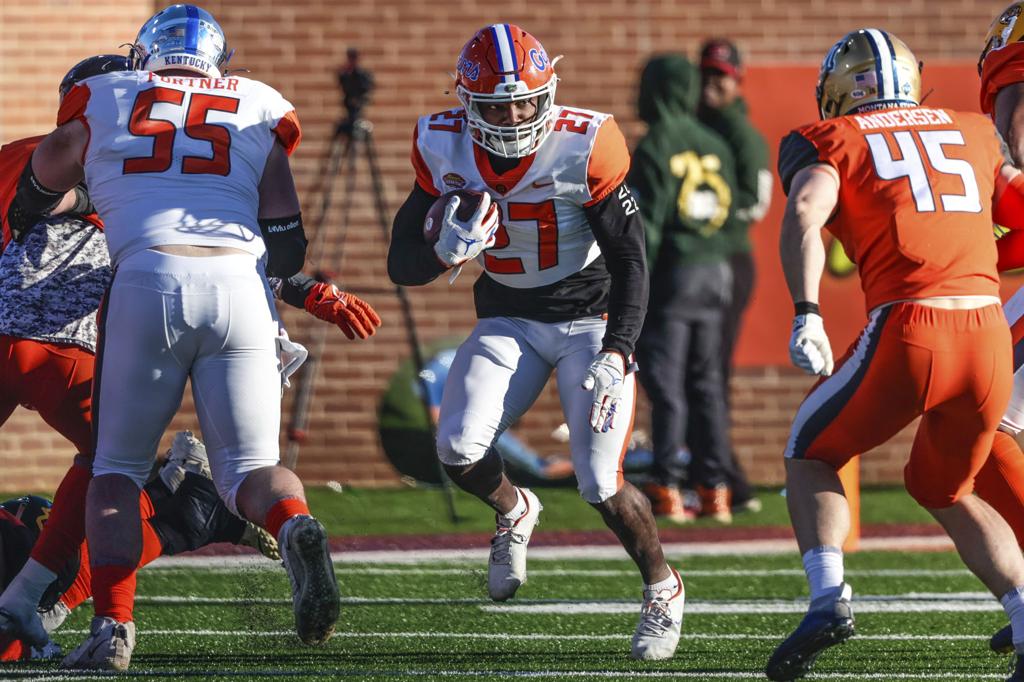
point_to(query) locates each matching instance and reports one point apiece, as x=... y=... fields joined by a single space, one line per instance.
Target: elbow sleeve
x=286 y=245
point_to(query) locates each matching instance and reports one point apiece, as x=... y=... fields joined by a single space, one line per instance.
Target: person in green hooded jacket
x=684 y=177
x=723 y=109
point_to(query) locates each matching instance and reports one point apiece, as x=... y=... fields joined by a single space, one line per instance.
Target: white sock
x=517 y=511
x=1013 y=604
x=824 y=569
x=29 y=585
x=671 y=583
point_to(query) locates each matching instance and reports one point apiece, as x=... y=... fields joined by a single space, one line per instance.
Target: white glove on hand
x=461 y=241
x=605 y=378
x=809 y=348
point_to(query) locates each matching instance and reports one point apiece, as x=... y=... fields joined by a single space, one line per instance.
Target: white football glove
x=461 y=241
x=809 y=348
x=605 y=377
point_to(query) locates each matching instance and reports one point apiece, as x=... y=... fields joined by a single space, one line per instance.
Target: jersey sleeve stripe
x=288 y=131
x=608 y=162
x=73 y=104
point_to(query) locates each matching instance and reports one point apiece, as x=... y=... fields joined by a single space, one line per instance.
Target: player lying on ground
x=564 y=287
x=181 y=512
x=886 y=175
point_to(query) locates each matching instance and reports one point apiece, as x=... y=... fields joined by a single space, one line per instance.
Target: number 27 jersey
x=915 y=198
x=178 y=160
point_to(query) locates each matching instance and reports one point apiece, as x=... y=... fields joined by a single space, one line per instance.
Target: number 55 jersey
x=915 y=198
x=151 y=134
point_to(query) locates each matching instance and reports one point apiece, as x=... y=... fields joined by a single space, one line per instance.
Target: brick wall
x=411 y=46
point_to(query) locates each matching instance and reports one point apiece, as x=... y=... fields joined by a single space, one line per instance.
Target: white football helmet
x=181 y=37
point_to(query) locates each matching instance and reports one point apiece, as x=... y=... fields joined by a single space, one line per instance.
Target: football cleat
x=108 y=647
x=1002 y=641
x=661 y=622
x=187 y=453
x=54 y=617
x=826 y=624
x=667 y=503
x=315 y=595
x=507 y=566
x=260 y=540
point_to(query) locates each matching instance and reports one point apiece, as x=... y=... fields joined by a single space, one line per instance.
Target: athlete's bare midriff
x=200 y=251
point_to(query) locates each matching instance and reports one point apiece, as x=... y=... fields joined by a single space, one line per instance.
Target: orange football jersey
x=1000 y=68
x=915 y=198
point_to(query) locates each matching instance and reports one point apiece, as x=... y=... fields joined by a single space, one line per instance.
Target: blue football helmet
x=181 y=37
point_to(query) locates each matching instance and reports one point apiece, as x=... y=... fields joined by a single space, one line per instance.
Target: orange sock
x=64 y=531
x=282 y=511
x=1001 y=482
x=113 y=591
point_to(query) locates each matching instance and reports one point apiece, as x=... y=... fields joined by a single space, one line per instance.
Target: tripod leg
x=410 y=323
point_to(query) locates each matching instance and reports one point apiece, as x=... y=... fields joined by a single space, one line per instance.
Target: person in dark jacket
x=723 y=109
x=684 y=177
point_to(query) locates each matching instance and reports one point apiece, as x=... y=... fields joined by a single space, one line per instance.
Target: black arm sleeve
x=795 y=153
x=286 y=245
x=619 y=230
x=411 y=261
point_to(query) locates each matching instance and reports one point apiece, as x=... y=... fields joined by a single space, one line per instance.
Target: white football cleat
x=315 y=595
x=661 y=621
x=108 y=647
x=54 y=617
x=507 y=567
x=187 y=453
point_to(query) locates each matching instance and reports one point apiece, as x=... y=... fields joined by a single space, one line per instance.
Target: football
x=469 y=201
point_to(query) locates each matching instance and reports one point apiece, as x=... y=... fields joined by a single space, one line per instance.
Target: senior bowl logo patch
x=454 y=180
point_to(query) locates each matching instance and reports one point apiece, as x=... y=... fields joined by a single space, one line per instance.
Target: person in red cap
x=723 y=109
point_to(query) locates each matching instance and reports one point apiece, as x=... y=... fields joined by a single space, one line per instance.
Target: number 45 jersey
x=178 y=160
x=915 y=198
x=544 y=237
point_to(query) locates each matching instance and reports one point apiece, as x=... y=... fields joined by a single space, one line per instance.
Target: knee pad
x=459 y=442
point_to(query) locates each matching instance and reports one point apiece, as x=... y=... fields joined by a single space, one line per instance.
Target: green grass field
x=920 y=616
x=571 y=621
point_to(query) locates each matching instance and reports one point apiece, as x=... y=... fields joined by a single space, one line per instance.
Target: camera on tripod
x=356 y=84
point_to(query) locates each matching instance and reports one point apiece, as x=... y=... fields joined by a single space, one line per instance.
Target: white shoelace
x=655 y=617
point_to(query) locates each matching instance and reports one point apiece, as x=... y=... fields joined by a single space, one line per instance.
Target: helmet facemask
x=510 y=141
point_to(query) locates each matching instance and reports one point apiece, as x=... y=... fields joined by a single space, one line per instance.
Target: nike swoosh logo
x=539 y=185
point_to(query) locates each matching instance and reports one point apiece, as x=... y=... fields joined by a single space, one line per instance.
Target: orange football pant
x=953 y=368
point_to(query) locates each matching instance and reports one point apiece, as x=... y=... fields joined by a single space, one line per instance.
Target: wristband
x=807 y=308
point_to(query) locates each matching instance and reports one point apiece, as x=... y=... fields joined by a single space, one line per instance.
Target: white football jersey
x=544 y=235
x=178 y=160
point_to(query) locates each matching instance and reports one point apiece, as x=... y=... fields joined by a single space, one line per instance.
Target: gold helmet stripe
x=885 y=63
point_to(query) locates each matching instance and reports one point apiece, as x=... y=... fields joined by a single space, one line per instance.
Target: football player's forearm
x=411 y=261
x=620 y=234
x=57 y=161
x=293 y=290
x=812 y=198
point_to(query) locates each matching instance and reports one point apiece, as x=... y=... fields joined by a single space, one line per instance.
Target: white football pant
x=499 y=371
x=171 y=318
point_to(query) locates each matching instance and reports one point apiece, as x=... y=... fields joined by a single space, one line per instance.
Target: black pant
x=743 y=277
x=679 y=353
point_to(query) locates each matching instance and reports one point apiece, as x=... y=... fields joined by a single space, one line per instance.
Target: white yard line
x=674 y=550
x=686 y=573
x=48 y=674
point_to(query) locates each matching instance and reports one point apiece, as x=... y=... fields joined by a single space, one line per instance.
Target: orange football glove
x=353 y=315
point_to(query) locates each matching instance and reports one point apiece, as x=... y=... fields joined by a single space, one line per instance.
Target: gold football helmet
x=1005 y=29
x=868 y=69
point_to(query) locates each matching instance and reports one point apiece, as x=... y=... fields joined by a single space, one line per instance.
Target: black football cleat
x=1002 y=641
x=820 y=629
